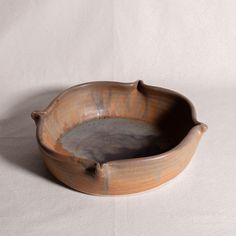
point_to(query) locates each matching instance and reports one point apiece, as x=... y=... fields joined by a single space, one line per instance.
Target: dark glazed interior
x=126 y=121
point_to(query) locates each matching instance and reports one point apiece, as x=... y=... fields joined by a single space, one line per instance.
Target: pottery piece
x=111 y=138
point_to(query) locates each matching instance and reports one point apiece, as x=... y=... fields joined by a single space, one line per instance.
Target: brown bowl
x=110 y=138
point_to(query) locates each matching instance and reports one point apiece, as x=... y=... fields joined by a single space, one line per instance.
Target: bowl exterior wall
x=127 y=176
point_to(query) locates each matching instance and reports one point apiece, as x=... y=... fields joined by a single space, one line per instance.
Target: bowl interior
x=114 y=138
x=111 y=121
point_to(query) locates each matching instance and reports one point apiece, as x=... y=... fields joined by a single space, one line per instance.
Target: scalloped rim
x=37 y=116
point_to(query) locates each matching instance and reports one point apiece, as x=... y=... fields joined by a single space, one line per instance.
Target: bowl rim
x=38 y=117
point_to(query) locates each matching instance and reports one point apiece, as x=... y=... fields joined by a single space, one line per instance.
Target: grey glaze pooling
x=114 y=138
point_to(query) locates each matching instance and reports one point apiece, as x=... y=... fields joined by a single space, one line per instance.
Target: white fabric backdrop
x=186 y=45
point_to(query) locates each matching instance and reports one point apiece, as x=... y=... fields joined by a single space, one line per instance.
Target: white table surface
x=188 y=46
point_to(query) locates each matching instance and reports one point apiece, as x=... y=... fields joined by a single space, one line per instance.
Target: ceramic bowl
x=111 y=138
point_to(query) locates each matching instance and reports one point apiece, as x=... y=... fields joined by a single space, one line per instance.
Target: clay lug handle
x=202 y=127
x=36 y=115
x=137 y=84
